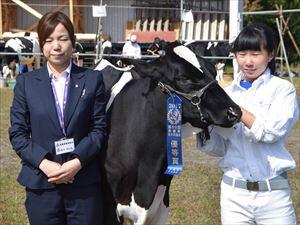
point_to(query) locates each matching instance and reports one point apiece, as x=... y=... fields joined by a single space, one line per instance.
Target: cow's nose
x=232 y=115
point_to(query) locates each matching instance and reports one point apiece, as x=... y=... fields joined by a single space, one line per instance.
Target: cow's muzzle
x=232 y=115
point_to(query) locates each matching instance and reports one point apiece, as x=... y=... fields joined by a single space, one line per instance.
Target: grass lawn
x=194 y=195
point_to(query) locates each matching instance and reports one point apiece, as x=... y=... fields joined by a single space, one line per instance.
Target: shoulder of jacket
x=31 y=74
x=280 y=83
x=93 y=74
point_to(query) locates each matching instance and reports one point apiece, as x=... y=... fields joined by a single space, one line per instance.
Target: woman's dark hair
x=48 y=23
x=254 y=37
x=157 y=40
x=106 y=37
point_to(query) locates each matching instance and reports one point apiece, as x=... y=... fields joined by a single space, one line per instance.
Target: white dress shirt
x=258 y=153
x=59 y=84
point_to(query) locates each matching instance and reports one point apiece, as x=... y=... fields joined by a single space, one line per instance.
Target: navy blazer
x=35 y=125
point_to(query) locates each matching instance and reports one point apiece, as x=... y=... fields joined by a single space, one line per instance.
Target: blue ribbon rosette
x=174 y=124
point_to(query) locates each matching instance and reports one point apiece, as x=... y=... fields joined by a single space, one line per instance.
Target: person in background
x=131 y=48
x=11 y=70
x=106 y=44
x=58 y=128
x=154 y=47
x=255 y=162
x=19 y=63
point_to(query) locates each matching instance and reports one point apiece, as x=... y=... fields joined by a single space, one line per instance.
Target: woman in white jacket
x=131 y=48
x=255 y=188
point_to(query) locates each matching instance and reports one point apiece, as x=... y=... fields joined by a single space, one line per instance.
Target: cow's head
x=204 y=101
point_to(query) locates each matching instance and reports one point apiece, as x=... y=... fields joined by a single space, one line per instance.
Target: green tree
x=270 y=19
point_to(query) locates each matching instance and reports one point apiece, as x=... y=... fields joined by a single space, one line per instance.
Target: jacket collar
x=261 y=80
x=77 y=81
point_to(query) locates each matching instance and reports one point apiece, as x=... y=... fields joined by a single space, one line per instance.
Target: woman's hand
x=66 y=173
x=247 y=118
x=48 y=166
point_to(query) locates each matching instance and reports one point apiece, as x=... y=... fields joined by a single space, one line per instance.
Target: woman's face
x=253 y=63
x=58 y=48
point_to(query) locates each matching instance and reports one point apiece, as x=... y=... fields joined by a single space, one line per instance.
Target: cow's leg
x=217 y=77
x=156 y=214
x=136 y=208
x=132 y=212
x=110 y=216
x=220 y=71
x=236 y=69
x=158 y=211
x=5 y=72
x=127 y=222
x=161 y=214
x=220 y=75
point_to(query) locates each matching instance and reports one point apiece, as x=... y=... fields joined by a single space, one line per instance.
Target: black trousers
x=65 y=205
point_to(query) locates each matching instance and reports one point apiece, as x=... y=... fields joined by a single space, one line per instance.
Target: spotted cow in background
x=207 y=48
x=11 y=64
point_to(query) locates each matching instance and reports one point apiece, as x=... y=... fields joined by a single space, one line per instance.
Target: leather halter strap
x=194 y=97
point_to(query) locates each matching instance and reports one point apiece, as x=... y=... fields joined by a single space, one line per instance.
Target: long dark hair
x=257 y=36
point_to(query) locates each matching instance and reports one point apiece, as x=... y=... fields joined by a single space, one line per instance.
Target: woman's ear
x=271 y=56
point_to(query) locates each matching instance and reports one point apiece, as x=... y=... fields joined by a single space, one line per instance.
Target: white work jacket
x=258 y=153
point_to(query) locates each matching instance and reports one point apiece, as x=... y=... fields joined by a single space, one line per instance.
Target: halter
x=195 y=97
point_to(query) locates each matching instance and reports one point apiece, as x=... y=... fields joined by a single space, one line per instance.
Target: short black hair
x=48 y=23
x=255 y=37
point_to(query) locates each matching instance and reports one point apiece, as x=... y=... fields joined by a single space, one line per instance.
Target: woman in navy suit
x=58 y=128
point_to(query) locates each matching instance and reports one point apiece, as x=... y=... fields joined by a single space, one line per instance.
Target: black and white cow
x=207 y=48
x=11 y=63
x=135 y=186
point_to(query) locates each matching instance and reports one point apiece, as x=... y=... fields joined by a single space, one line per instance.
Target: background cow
x=135 y=186
x=207 y=48
x=11 y=63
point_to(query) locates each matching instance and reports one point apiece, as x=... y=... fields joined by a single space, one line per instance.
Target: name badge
x=64 y=146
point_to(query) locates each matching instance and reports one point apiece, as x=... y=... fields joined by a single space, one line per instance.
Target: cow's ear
x=207 y=67
x=143 y=68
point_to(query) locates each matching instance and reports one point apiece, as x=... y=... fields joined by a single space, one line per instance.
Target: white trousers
x=243 y=207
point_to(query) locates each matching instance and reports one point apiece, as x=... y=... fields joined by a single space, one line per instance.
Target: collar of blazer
x=77 y=81
x=76 y=72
